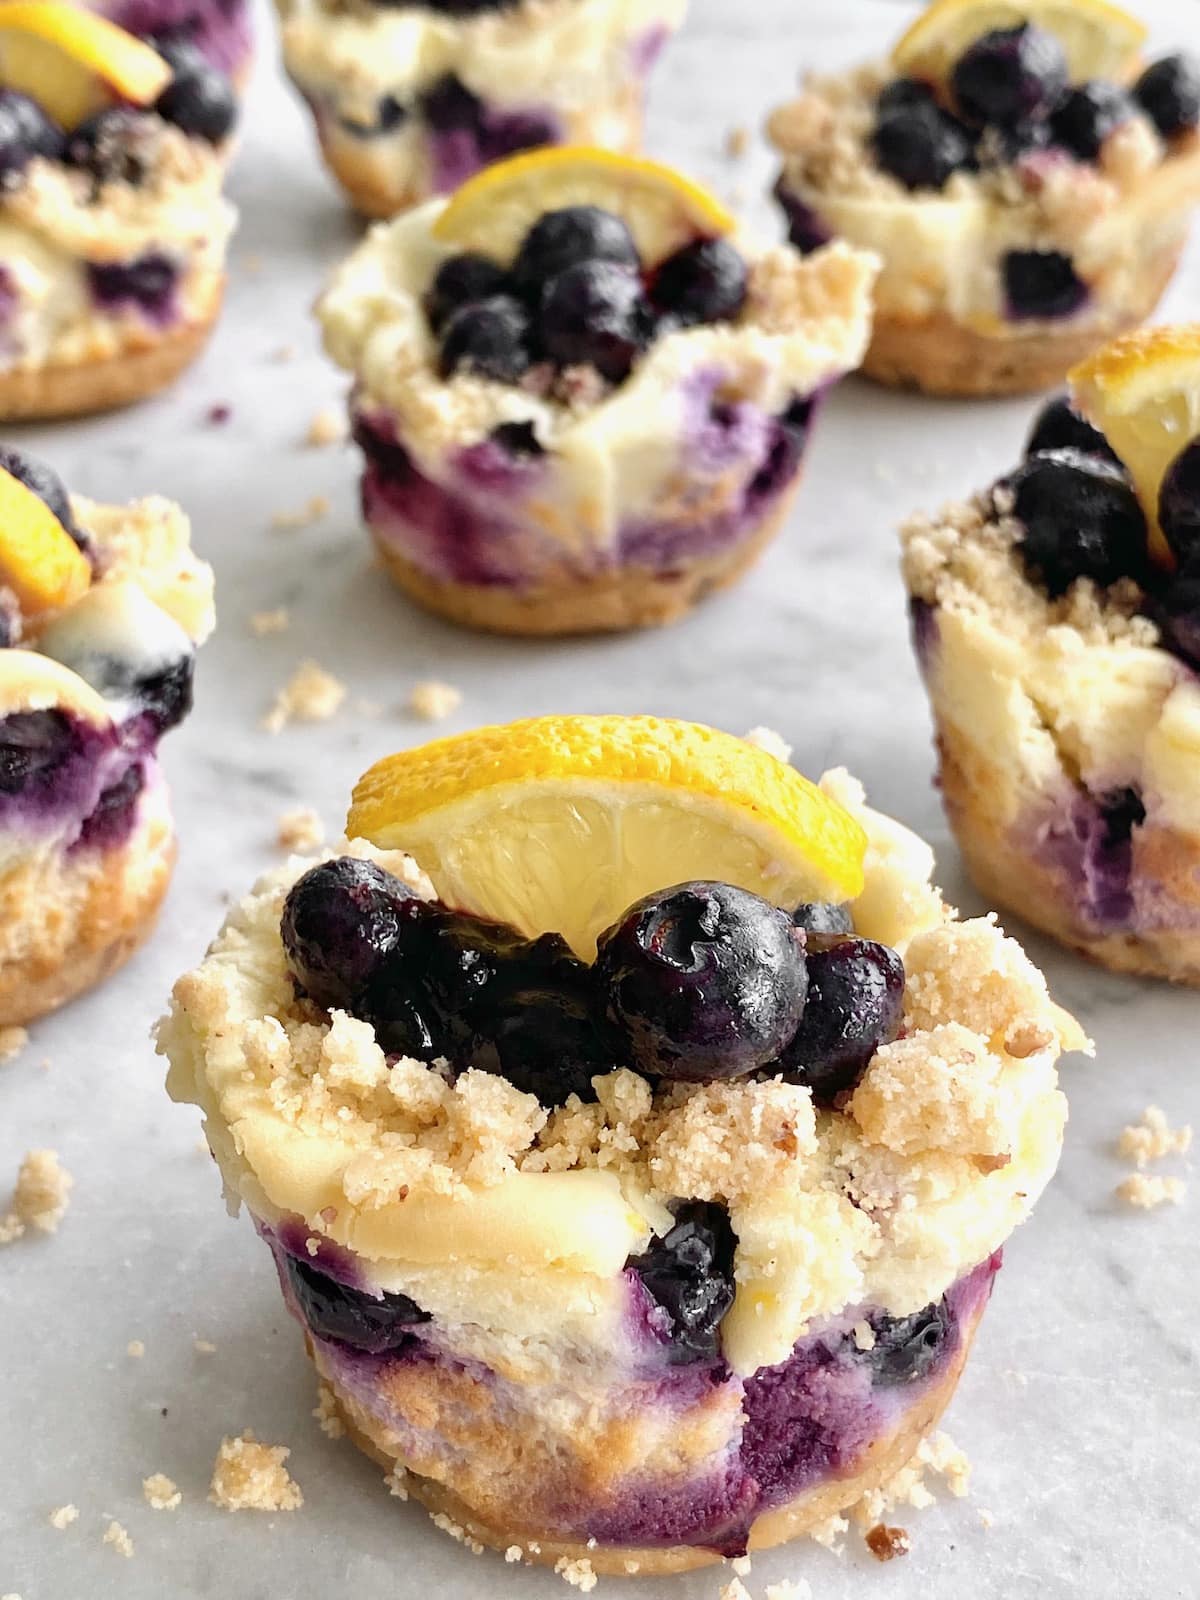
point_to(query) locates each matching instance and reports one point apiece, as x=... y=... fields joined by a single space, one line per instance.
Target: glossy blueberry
x=1081 y=518
x=25 y=131
x=819 y=916
x=490 y=338
x=703 y=282
x=1177 y=613
x=1088 y=115
x=689 y=1274
x=34 y=746
x=115 y=146
x=1179 y=504
x=1042 y=283
x=594 y=314
x=166 y=696
x=341 y=923
x=906 y=1348
x=1169 y=93
x=921 y=146
x=902 y=93
x=1009 y=75
x=568 y=237
x=199 y=100
x=44 y=482
x=703 y=981
x=148 y=283
x=1059 y=427
x=333 y=1310
x=462 y=281
x=855 y=998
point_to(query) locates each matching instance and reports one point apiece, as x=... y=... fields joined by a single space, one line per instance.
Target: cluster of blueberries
x=1082 y=519
x=577 y=295
x=694 y=984
x=111 y=145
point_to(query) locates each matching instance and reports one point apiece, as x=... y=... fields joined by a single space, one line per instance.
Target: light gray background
x=1080 y=1410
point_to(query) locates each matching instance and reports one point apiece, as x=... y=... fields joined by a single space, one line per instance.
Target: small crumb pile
x=312 y=511
x=770 y=741
x=116 y=1536
x=1152 y=1139
x=12 y=1041
x=249 y=1476
x=328 y=426
x=578 y=1573
x=40 y=1198
x=457 y=1532
x=1146 y=1192
x=433 y=701
x=326 y=1413
x=135 y=1349
x=300 y=830
x=263 y=623
x=160 y=1493
x=310 y=695
x=63 y=1516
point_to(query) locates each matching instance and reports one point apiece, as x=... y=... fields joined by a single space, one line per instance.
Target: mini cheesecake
x=221 y=30
x=410 y=100
x=582 y=398
x=1029 y=187
x=652 y=1240
x=113 y=229
x=101 y=610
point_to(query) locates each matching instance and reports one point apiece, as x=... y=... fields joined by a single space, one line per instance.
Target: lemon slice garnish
x=1100 y=40
x=33 y=682
x=663 y=210
x=559 y=823
x=39 y=560
x=73 y=62
x=1143 y=392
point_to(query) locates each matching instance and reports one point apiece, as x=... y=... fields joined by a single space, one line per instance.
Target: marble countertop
x=1080 y=1408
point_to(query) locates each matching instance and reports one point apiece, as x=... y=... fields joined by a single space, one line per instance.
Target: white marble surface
x=1081 y=1409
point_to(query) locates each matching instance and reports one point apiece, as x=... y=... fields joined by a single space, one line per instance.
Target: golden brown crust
x=632 y=597
x=940 y=356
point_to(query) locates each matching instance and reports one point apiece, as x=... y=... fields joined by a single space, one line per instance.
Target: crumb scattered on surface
x=310 y=695
x=737 y=141
x=160 y=1493
x=300 y=830
x=311 y=511
x=116 y=1536
x=513 y=1554
x=578 y=1573
x=735 y=1589
x=908 y=1487
x=830 y=1533
x=790 y=1589
x=204 y=1347
x=885 y=1543
x=326 y=1413
x=40 y=1198
x=1153 y=1138
x=264 y=622
x=741 y=1565
x=432 y=701
x=397 y=1482
x=136 y=1349
x=1145 y=1193
x=63 y=1516
x=284 y=354
x=12 y=1041
x=328 y=426
x=770 y=741
x=457 y=1532
x=249 y=1476
x=986 y=1518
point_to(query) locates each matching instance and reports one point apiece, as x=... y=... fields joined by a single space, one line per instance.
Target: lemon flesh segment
x=73 y=62
x=39 y=560
x=1143 y=392
x=663 y=210
x=560 y=823
x=1100 y=40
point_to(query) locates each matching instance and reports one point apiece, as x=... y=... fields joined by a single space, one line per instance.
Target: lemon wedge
x=39 y=560
x=33 y=682
x=663 y=210
x=1100 y=40
x=1143 y=392
x=73 y=62
x=559 y=823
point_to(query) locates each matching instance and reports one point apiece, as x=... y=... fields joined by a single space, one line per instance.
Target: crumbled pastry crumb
x=310 y=695
x=397 y=1482
x=312 y=511
x=116 y=1536
x=249 y=1476
x=741 y=1565
x=513 y=1554
x=160 y=1493
x=328 y=426
x=735 y=1589
x=770 y=741
x=135 y=1349
x=12 y=1041
x=63 y=1516
x=300 y=830
x=263 y=623
x=326 y=1413
x=790 y=1589
x=579 y=1573
x=986 y=1518
x=204 y=1347
x=908 y=1487
x=457 y=1532
x=830 y=1533
x=433 y=701
x=1146 y=1193
x=731 y=1141
x=885 y=1543
x=864 y=1336
x=1153 y=1138
x=40 y=1198
x=737 y=141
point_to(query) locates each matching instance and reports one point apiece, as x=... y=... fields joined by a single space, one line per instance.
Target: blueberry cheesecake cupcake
x=638 y=1197
x=112 y=225
x=582 y=398
x=410 y=100
x=220 y=30
x=1057 y=624
x=101 y=610
x=1027 y=180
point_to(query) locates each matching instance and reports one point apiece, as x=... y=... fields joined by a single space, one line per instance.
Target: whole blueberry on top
x=1088 y=115
x=703 y=282
x=820 y=916
x=461 y=281
x=342 y=922
x=1059 y=427
x=594 y=314
x=854 y=1005
x=25 y=131
x=1169 y=93
x=45 y=483
x=1179 y=504
x=1081 y=518
x=333 y=1310
x=1009 y=75
x=901 y=93
x=565 y=238
x=199 y=100
x=35 y=747
x=689 y=1274
x=921 y=146
x=119 y=145
x=704 y=981
x=490 y=338
x=906 y=1348
x=1177 y=612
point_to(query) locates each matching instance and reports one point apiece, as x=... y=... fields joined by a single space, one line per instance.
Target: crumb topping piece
x=326 y=1413
x=116 y=1536
x=1153 y=1138
x=300 y=830
x=433 y=701
x=310 y=695
x=263 y=623
x=40 y=1198
x=1144 y=1192
x=63 y=1516
x=12 y=1041
x=249 y=1476
x=160 y=1493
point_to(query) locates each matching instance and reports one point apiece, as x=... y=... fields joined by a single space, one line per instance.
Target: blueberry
x=906 y=1348
x=1179 y=504
x=855 y=1000
x=594 y=314
x=34 y=747
x=1081 y=518
x=462 y=281
x=819 y=916
x=1177 y=613
x=921 y=146
x=566 y=238
x=1009 y=75
x=115 y=146
x=166 y=696
x=903 y=93
x=44 y=482
x=1059 y=427
x=1042 y=283
x=1088 y=115
x=111 y=822
x=147 y=282
x=1169 y=93
x=341 y=923
x=25 y=131
x=448 y=106
x=518 y=439
x=703 y=282
x=689 y=1273
x=490 y=338
x=199 y=100
x=333 y=1310
x=704 y=981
